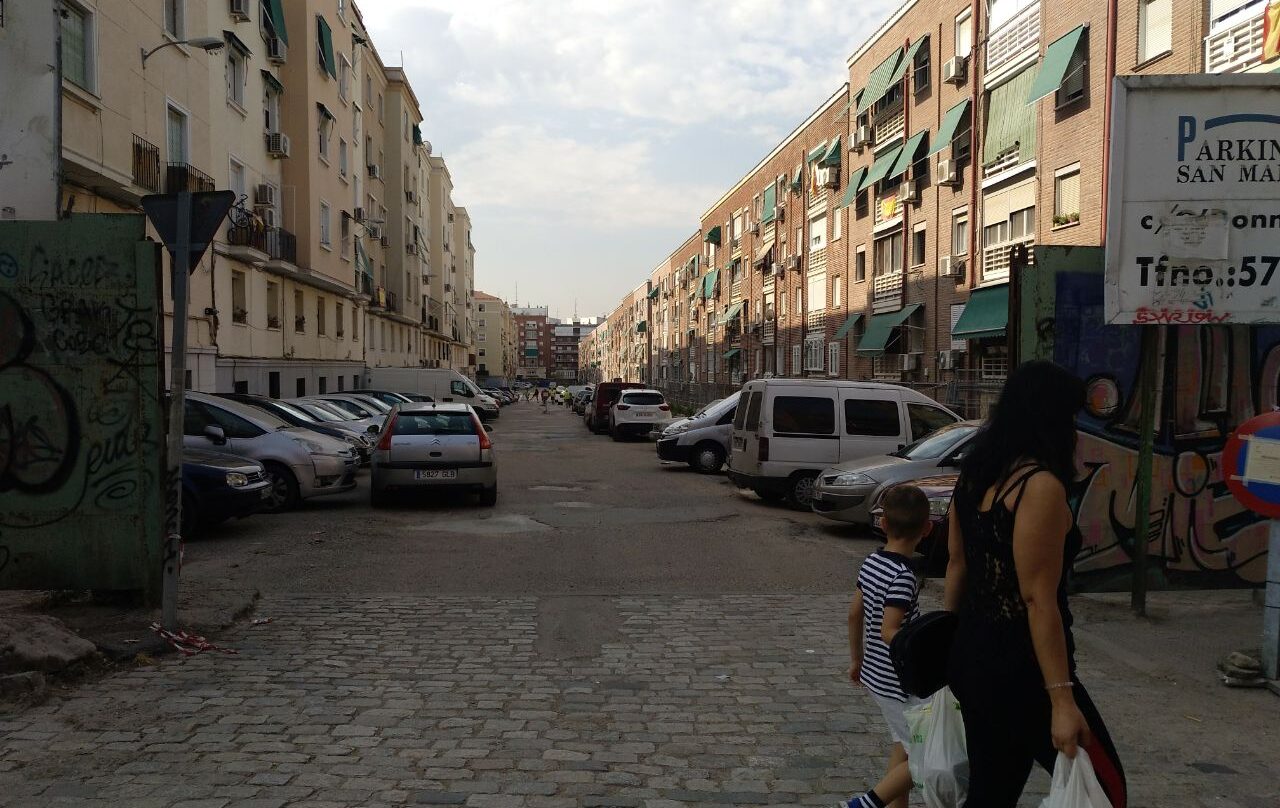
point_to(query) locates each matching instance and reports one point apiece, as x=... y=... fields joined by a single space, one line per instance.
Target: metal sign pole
x=1271 y=608
x=181 y=253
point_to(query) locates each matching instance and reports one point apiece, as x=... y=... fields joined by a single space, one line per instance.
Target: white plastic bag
x=937 y=756
x=1074 y=784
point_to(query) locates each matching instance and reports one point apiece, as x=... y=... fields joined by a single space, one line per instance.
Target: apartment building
x=495 y=327
x=533 y=343
x=566 y=341
x=458 y=294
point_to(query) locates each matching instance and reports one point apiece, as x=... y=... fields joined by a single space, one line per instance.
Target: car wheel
x=489 y=496
x=615 y=432
x=707 y=458
x=284 y=489
x=800 y=495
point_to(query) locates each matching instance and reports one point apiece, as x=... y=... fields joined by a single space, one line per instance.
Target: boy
x=885 y=600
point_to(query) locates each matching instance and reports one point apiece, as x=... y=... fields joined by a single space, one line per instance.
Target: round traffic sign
x=1251 y=464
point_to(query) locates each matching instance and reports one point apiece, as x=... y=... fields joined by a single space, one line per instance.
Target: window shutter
x=1069 y=194
x=1155 y=34
x=833 y=359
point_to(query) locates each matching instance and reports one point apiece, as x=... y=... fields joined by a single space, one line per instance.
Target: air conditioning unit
x=359 y=215
x=793 y=262
x=277 y=144
x=266 y=214
x=375 y=171
x=374 y=231
x=240 y=10
x=907 y=193
x=829 y=176
x=386 y=241
x=947 y=360
x=955 y=69
x=951 y=266
x=946 y=173
x=910 y=361
x=411 y=248
x=865 y=136
x=755 y=228
x=277 y=51
x=776 y=268
x=780 y=213
x=265 y=194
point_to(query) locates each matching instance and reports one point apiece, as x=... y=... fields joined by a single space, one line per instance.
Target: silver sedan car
x=433 y=446
x=848 y=492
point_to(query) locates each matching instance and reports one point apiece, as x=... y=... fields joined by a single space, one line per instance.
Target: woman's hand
x=1069 y=727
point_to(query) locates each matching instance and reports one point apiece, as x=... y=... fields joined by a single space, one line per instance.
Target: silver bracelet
x=1059 y=685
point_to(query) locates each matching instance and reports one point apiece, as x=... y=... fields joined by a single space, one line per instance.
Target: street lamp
x=207 y=43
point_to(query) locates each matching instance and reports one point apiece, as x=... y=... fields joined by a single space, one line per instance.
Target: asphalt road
x=577 y=514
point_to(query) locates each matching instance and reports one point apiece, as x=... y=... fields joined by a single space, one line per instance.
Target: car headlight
x=852 y=478
x=237 y=480
x=938 y=506
x=678 y=429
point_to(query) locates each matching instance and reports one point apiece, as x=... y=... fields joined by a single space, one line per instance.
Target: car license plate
x=644 y=415
x=435 y=474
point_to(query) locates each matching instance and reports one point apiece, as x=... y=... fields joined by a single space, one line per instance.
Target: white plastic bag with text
x=1074 y=784
x=937 y=755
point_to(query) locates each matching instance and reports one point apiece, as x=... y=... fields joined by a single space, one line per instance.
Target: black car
x=217 y=487
x=362 y=443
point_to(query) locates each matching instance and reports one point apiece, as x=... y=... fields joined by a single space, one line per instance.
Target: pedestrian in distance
x=886 y=600
x=1012 y=543
x=546 y=400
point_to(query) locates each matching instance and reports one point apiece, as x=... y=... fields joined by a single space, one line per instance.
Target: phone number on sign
x=1254 y=270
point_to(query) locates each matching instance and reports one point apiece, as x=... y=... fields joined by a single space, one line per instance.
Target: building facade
x=533 y=343
x=495 y=327
x=566 y=338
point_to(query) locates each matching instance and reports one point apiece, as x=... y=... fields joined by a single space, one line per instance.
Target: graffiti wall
x=1210 y=379
x=81 y=436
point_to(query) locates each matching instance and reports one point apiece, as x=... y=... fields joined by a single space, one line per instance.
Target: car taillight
x=664 y=407
x=485 y=443
x=624 y=406
x=764 y=449
x=384 y=442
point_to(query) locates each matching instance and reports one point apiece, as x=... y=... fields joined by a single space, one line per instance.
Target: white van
x=786 y=431
x=442 y=384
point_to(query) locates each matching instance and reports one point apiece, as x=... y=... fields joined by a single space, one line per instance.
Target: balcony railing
x=995 y=258
x=146 y=165
x=1237 y=46
x=886 y=290
x=890 y=124
x=279 y=244
x=1017 y=36
x=816 y=320
x=186 y=177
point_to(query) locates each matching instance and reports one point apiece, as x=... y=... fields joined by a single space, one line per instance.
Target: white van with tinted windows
x=786 y=431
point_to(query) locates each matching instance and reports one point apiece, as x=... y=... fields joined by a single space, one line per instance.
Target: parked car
x=331 y=413
x=845 y=492
x=419 y=397
x=701 y=441
x=933 y=549
x=786 y=431
x=218 y=486
x=580 y=402
x=299 y=463
x=385 y=396
x=442 y=384
x=425 y=446
x=357 y=406
x=637 y=413
x=606 y=394
x=361 y=440
x=678 y=422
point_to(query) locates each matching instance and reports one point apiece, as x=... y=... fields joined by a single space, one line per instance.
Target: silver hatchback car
x=433 y=446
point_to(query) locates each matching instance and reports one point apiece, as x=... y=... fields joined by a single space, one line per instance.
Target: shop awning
x=326 y=46
x=880 y=168
x=832 y=157
x=880 y=329
x=910 y=153
x=713 y=235
x=770 y=203
x=709 y=284
x=272 y=81
x=1053 y=68
x=732 y=313
x=847 y=326
x=851 y=190
x=275 y=15
x=817 y=152
x=732 y=352
x=1010 y=122
x=985 y=315
x=880 y=80
x=654 y=292
x=947 y=131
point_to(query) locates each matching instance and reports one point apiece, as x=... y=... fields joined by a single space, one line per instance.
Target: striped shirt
x=885 y=579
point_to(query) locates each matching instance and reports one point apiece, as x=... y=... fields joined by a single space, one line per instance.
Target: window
x=77 y=46
x=344 y=77
x=344 y=235
x=797 y=416
x=270 y=108
x=342 y=157
x=860 y=264
x=964 y=33
x=960 y=232
x=876 y=418
x=273 y=304
x=299 y=317
x=355 y=328
x=237 y=74
x=239 y=304
x=324 y=225
x=322 y=385
x=1155 y=28
x=321 y=310
x=1066 y=195
x=918 y=246
x=325 y=128
x=368 y=88
x=1075 y=80
x=818 y=232
x=813 y=354
x=816 y=292
x=888 y=255
x=921 y=68
x=177 y=134
x=301 y=386
x=1022 y=223
x=342 y=9
x=837 y=288
x=338 y=320
x=833 y=359
x=382 y=106
x=837 y=224
x=273 y=383
x=926 y=419
x=236 y=178
x=796 y=308
x=173 y=18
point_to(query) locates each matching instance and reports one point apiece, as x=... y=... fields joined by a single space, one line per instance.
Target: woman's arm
x=953 y=588
x=1039 y=534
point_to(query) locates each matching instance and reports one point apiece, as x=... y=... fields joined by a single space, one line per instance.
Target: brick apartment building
x=533 y=343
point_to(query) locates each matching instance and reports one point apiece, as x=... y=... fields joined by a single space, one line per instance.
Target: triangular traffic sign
x=208 y=209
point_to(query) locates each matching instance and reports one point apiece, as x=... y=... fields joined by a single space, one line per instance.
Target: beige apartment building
x=495 y=326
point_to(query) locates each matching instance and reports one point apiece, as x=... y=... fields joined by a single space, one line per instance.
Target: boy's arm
x=855 y=636
x=898 y=600
x=891 y=623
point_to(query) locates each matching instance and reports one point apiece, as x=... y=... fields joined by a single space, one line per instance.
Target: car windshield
x=296 y=412
x=357 y=410
x=938 y=443
x=321 y=412
x=434 y=423
x=374 y=405
x=706 y=407
x=651 y=399
x=267 y=419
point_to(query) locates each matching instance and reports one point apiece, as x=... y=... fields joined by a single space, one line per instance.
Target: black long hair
x=1032 y=422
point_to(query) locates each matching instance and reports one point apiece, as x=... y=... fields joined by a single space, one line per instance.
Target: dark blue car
x=217 y=487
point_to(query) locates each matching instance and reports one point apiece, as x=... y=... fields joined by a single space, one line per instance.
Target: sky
x=587 y=137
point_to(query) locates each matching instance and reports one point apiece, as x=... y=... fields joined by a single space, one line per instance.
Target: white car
x=638 y=412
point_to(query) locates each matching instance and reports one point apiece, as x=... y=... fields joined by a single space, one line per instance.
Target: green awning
x=770 y=204
x=709 y=284
x=817 y=152
x=914 y=50
x=326 y=46
x=985 y=315
x=910 y=153
x=880 y=328
x=879 y=168
x=832 y=157
x=947 y=131
x=851 y=190
x=732 y=352
x=275 y=15
x=530 y=351
x=1054 y=67
x=272 y=81
x=654 y=292
x=857 y=99
x=847 y=326
x=795 y=181
x=880 y=80
x=713 y=235
x=733 y=312
x=845 y=109
x=1010 y=122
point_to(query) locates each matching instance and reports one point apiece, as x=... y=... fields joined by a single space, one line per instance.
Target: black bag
x=920 y=651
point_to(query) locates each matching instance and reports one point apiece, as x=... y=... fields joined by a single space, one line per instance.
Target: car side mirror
x=373 y=429
x=216 y=435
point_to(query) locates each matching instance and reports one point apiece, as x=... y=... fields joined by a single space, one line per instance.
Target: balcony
x=769 y=332
x=887 y=208
x=146 y=165
x=1236 y=44
x=186 y=177
x=816 y=320
x=995 y=258
x=886 y=292
x=1018 y=36
x=890 y=124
